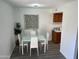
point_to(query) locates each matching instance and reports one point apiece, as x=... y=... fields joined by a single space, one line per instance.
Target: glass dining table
x=27 y=38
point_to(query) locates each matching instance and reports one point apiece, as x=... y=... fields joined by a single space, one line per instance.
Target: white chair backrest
x=34 y=42
x=32 y=32
x=26 y=31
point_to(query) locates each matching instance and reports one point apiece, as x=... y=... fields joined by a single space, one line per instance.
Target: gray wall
x=7 y=41
x=69 y=29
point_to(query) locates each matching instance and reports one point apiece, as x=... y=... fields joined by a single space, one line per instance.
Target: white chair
x=44 y=40
x=22 y=44
x=34 y=44
x=47 y=38
x=33 y=32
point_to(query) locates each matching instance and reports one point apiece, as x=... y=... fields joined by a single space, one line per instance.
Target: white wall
x=45 y=16
x=69 y=29
x=7 y=41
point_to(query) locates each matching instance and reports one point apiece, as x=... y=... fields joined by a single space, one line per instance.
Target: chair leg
x=22 y=50
x=47 y=46
x=40 y=47
x=19 y=49
x=37 y=52
x=27 y=48
x=30 y=51
x=44 y=48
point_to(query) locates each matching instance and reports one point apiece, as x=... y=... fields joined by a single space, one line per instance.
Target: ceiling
x=46 y=3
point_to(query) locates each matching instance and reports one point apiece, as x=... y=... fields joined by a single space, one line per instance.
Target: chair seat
x=24 y=44
x=43 y=43
x=34 y=46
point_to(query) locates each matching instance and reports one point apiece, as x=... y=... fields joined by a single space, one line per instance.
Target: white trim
x=63 y=54
x=5 y=57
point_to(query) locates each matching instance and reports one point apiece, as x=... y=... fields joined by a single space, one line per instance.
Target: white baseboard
x=63 y=54
x=4 y=57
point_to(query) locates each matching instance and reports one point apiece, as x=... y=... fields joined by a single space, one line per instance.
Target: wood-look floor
x=52 y=53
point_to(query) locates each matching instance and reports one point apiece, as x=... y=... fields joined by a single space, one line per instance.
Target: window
x=31 y=21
